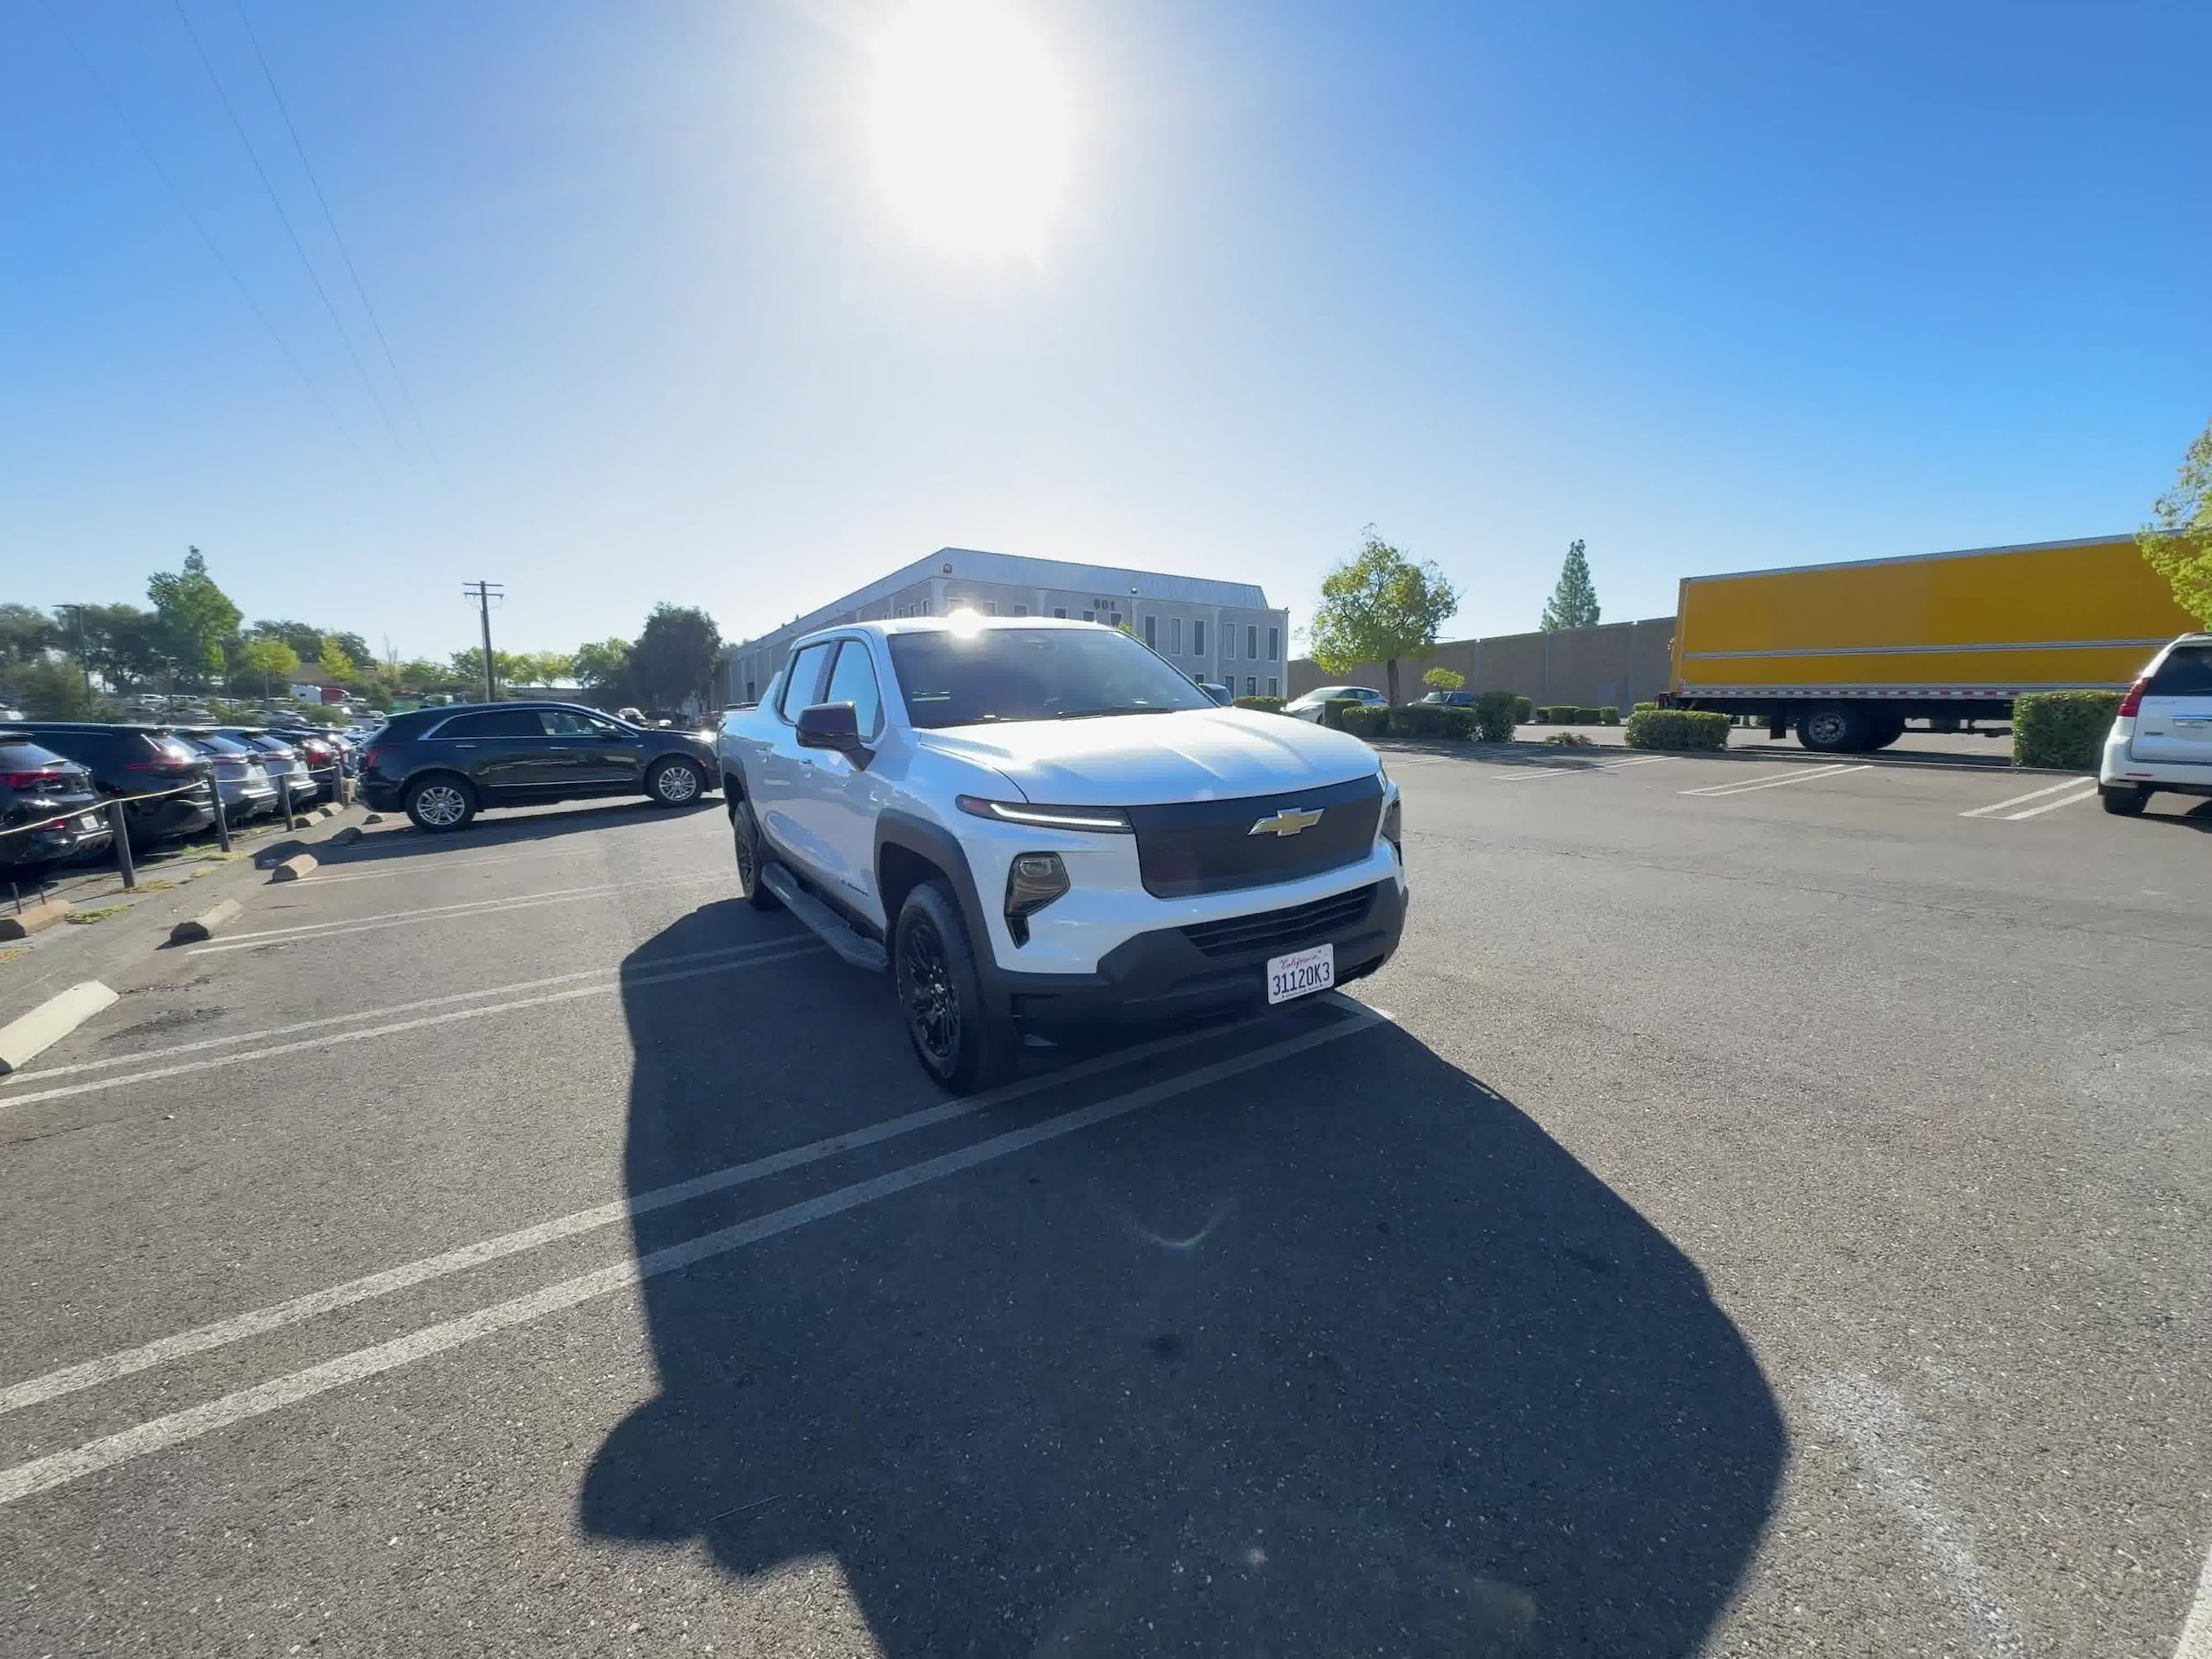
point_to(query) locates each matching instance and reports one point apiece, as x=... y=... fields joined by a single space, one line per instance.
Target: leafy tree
x=337 y=663
x=120 y=643
x=1443 y=679
x=1379 y=606
x=674 y=657
x=306 y=642
x=269 y=656
x=27 y=632
x=2178 y=541
x=196 y=617
x=356 y=649
x=604 y=666
x=1574 y=602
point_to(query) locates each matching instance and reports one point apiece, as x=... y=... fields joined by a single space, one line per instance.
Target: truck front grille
x=1192 y=847
x=1275 y=932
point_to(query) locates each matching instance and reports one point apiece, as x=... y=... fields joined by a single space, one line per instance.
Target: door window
x=2186 y=673
x=854 y=681
x=806 y=674
x=569 y=723
x=495 y=723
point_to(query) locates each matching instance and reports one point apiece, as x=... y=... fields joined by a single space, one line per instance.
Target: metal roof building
x=1213 y=630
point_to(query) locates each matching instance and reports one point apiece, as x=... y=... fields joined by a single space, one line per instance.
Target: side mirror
x=830 y=725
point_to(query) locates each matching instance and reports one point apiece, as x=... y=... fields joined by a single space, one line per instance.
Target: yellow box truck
x=1845 y=654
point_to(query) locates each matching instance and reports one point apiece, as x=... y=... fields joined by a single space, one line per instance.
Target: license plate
x=1301 y=974
x=90 y=820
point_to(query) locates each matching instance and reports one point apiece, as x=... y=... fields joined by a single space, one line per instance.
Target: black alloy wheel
x=745 y=837
x=927 y=993
x=940 y=996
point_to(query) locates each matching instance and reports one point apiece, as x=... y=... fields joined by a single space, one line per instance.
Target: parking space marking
x=1558 y=769
x=798 y=947
x=1996 y=807
x=308 y=932
x=2089 y=793
x=205 y=1043
x=2196 y=1628
x=1806 y=775
x=42 y=1474
x=90 y=1373
x=412 y=866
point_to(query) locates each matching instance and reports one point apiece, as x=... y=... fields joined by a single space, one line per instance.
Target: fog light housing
x=1033 y=881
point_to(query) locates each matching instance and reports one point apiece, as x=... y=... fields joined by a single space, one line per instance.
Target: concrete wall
x=1616 y=663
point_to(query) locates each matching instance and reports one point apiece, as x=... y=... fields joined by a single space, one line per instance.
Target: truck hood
x=1140 y=759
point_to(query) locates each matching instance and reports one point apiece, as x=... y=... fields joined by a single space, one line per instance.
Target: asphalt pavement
x=1764 y=1209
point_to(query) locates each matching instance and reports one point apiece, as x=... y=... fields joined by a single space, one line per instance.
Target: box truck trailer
x=1845 y=654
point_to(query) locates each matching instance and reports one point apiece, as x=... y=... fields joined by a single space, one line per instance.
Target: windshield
x=960 y=679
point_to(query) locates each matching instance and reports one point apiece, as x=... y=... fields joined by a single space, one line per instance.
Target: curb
x=192 y=931
x=22 y=1040
x=23 y=922
x=292 y=868
x=347 y=836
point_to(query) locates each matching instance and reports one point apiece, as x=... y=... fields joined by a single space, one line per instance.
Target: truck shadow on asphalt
x=1338 y=1355
x=509 y=826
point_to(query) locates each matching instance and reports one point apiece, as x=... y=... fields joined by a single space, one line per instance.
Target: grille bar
x=1277 y=931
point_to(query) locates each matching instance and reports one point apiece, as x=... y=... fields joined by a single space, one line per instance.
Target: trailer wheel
x=1887 y=729
x=1834 y=728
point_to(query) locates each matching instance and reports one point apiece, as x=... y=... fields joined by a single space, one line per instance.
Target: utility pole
x=484 y=593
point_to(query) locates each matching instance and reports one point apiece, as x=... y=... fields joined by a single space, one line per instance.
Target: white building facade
x=1221 y=632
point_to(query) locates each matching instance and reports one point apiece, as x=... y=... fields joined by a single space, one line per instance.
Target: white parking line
x=1557 y=769
x=308 y=932
x=2196 y=1629
x=797 y=948
x=202 y=1044
x=1807 y=775
x=91 y=1373
x=41 y=1474
x=1996 y=807
x=425 y=863
x=2089 y=793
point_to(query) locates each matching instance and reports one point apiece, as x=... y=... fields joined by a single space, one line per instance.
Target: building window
x=751 y=695
x=1198 y=636
x=990 y=607
x=1113 y=619
x=1090 y=616
x=1229 y=642
x=1274 y=647
x=1252 y=644
x=1152 y=634
x=1274 y=687
x=1060 y=612
x=1251 y=687
x=1175 y=636
x=1021 y=611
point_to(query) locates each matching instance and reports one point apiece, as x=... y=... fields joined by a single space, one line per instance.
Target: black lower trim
x=1165 y=975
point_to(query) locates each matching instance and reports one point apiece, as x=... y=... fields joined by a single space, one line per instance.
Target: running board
x=832 y=928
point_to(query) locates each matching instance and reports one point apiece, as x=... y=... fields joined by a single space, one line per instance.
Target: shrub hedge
x=1332 y=711
x=1435 y=721
x=1610 y=715
x=1644 y=708
x=1522 y=711
x=1266 y=705
x=1357 y=717
x=1677 y=728
x=1495 y=715
x=2061 y=728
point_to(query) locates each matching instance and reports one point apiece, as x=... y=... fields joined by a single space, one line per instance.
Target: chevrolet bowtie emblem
x=1288 y=821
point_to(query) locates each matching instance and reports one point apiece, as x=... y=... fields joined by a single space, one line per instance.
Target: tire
x=440 y=802
x=1887 y=729
x=745 y=837
x=675 y=783
x=1834 y=728
x=2125 y=800
x=940 y=995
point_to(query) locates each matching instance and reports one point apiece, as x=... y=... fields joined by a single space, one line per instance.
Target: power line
x=346 y=253
x=238 y=282
x=298 y=247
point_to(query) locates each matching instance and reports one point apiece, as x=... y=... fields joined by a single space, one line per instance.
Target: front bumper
x=1163 y=976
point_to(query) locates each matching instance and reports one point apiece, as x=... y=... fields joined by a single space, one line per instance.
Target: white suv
x=2162 y=737
x=1037 y=825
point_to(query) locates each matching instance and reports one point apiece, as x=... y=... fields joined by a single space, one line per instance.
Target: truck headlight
x=1033 y=881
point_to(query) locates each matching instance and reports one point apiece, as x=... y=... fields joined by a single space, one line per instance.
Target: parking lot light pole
x=484 y=593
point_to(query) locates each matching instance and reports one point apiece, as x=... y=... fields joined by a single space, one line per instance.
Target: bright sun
x=970 y=127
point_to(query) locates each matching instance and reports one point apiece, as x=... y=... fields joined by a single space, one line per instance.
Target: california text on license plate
x=1301 y=974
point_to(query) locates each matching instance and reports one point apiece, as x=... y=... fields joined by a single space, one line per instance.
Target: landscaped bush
x=1522 y=710
x=1361 y=720
x=1496 y=714
x=1434 y=721
x=1677 y=728
x=2061 y=728
x=1557 y=714
x=1610 y=715
x=1589 y=717
x=1266 y=705
x=1644 y=708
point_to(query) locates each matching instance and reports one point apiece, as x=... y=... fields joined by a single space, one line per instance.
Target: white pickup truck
x=1036 y=825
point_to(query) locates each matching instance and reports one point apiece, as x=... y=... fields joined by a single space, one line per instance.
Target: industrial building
x=1616 y=663
x=1223 y=631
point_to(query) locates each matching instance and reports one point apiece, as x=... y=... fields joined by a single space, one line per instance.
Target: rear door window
x=495 y=723
x=2186 y=673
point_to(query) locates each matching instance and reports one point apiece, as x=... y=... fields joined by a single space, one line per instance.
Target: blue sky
x=1709 y=286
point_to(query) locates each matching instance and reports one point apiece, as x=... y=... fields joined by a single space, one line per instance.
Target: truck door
x=787 y=770
x=839 y=799
x=2174 y=723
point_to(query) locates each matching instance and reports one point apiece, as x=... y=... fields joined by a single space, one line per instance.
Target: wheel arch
x=910 y=851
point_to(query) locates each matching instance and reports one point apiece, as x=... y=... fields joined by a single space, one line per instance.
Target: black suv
x=48 y=808
x=137 y=761
x=444 y=765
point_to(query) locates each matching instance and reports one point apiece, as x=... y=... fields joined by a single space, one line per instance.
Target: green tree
x=604 y=667
x=1379 y=606
x=27 y=632
x=337 y=661
x=355 y=647
x=674 y=657
x=306 y=642
x=1574 y=602
x=195 y=618
x=1443 y=679
x=2178 y=540
x=269 y=656
x=120 y=643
